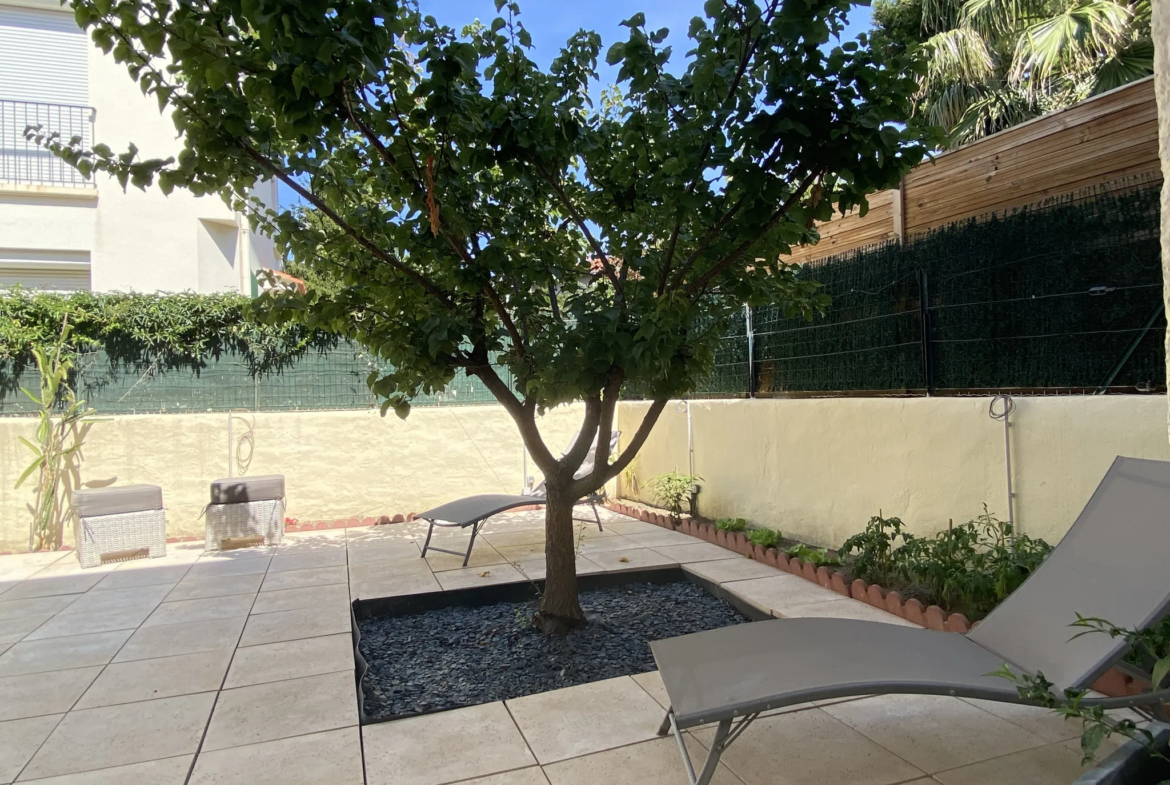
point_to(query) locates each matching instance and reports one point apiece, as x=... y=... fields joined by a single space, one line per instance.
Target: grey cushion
x=235 y=490
x=91 y=502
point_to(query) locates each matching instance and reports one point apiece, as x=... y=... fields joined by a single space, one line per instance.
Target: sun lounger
x=1110 y=565
x=474 y=511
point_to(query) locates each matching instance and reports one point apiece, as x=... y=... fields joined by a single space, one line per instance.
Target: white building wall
x=134 y=240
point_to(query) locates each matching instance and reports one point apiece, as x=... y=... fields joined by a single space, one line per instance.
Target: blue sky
x=551 y=22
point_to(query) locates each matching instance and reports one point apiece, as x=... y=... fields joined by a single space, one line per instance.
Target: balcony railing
x=23 y=161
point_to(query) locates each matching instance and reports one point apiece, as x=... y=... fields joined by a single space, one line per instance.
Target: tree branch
x=726 y=262
x=522 y=413
x=584 y=227
x=609 y=401
x=571 y=460
x=635 y=443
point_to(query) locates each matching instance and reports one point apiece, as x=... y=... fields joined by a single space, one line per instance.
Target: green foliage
x=974 y=566
x=173 y=330
x=62 y=428
x=672 y=491
x=991 y=64
x=764 y=537
x=731 y=524
x=870 y=554
x=814 y=556
x=1150 y=650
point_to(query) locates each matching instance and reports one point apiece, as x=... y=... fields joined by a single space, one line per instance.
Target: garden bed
x=445 y=650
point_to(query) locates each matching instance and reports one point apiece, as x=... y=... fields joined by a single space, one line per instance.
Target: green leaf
x=615 y=53
x=1158 y=674
x=32 y=467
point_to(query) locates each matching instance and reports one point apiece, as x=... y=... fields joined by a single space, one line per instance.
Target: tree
x=487 y=217
x=992 y=64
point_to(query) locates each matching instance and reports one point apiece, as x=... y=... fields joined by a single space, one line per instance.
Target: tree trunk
x=560 y=610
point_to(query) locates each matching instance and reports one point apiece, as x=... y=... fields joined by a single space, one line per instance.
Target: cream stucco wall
x=336 y=464
x=135 y=240
x=818 y=469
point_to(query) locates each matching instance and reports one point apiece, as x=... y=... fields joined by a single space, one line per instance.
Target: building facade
x=60 y=231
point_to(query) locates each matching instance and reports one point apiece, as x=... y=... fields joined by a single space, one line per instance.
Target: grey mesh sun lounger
x=474 y=511
x=1110 y=565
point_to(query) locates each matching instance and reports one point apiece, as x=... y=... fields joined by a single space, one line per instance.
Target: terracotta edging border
x=1114 y=683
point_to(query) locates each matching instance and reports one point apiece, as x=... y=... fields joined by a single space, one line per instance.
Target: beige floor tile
x=78 y=651
x=844 y=608
x=529 y=776
x=444 y=747
x=608 y=545
x=71 y=566
x=737 y=568
x=932 y=732
x=265 y=712
x=470 y=577
x=144 y=576
x=515 y=553
x=303 y=559
x=170 y=640
x=322 y=537
x=330 y=758
x=40 y=606
x=5 y=647
x=53 y=585
x=631 y=559
x=103 y=611
x=781 y=593
x=587 y=718
x=372 y=552
x=1054 y=764
x=661 y=536
x=166 y=677
x=331 y=599
x=186 y=611
x=396 y=532
x=652 y=683
x=292 y=625
x=390 y=584
x=510 y=539
x=694 y=552
x=1044 y=723
x=18 y=566
x=291 y=660
x=300 y=579
x=120 y=735
x=587 y=529
x=809 y=746
x=656 y=762
x=207 y=588
x=168 y=771
x=534 y=569
x=13 y=630
x=483 y=555
x=629 y=526
x=35 y=695
x=19 y=741
x=224 y=567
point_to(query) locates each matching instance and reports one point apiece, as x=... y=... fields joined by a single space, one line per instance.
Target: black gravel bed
x=462 y=656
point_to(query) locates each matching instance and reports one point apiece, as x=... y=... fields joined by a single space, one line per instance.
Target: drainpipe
x=1004 y=414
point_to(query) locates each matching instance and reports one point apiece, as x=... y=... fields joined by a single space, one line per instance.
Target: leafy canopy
x=479 y=208
x=991 y=64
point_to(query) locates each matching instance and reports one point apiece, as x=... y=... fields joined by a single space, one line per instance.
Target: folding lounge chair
x=474 y=511
x=1110 y=565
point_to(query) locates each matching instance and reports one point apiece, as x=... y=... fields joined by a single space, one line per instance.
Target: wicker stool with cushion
x=119 y=522
x=246 y=510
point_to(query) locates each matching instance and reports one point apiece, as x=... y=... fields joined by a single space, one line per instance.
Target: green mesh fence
x=335 y=379
x=1062 y=296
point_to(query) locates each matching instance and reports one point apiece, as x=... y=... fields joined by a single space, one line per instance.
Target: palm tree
x=991 y=64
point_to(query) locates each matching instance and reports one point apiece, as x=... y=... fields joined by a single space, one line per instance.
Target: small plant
x=61 y=433
x=815 y=556
x=672 y=491
x=731 y=524
x=873 y=550
x=764 y=537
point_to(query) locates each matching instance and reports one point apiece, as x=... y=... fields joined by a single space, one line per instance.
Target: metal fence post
x=751 y=351
x=924 y=318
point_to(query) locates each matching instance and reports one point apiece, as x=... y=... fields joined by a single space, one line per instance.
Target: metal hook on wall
x=1004 y=413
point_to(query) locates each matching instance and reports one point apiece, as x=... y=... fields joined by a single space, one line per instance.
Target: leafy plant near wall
x=815 y=556
x=731 y=524
x=61 y=431
x=172 y=330
x=764 y=537
x=672 y=491
x=969 y=568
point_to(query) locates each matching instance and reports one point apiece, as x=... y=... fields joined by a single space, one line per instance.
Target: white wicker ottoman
x=245 y=509
x=119 y=522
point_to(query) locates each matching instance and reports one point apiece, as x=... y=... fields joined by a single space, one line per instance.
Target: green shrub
x=815 y=556
x=872 y=551
x=731 y=524
x=672 y=491
x=764 y=537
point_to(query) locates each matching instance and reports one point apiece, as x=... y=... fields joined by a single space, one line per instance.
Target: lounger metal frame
x=1122 y=535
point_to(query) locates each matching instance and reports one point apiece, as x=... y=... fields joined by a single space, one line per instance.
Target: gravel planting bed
x=462 y=656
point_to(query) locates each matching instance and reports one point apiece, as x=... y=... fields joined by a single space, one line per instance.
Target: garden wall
x=336 y=464
x=819 y=468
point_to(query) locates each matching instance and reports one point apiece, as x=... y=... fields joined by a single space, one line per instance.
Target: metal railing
x=23 y=161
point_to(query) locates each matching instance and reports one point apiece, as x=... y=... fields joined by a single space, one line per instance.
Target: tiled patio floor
x=237 y=668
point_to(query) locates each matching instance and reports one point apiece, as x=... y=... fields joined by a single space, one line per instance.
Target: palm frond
x=992 y=112
x=1133 y=62
x=1000 y=17
x=957 y=55
x=1072 y=40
